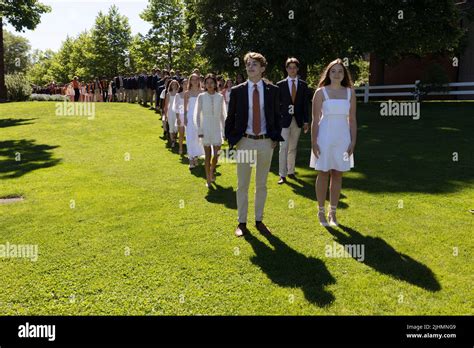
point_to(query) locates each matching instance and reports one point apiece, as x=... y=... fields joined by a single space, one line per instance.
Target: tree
x=39 y=73
x=317 y=32
x=16 y=51
x=20 y=14
x=173 y=45
x=110 y=38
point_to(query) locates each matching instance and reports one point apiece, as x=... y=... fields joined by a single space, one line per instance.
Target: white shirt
x=263 y=122
x=290 y=83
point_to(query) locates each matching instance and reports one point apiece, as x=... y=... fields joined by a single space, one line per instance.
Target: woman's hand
x=350 y=149
x=316 y=150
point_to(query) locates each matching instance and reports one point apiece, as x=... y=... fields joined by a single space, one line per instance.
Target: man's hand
x=274 y=144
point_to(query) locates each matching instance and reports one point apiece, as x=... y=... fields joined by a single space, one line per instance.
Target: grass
x=145 y=237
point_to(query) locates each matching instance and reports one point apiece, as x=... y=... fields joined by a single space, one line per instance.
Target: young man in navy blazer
x=295 y=111
x=253 y=126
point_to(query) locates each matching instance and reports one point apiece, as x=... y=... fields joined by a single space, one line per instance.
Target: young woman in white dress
x=193 y=145
x=211 y=113
x=333 y=135
x=178 y=108
x=170 y=114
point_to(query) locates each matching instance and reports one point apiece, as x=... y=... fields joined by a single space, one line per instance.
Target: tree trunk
x=3 y=88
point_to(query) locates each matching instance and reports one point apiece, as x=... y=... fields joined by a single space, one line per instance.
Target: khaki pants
x=287 y=155
x=263 y=150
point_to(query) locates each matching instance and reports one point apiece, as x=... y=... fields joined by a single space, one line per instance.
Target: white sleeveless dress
x=334 y=135
x=172 y=124
x=193 y=146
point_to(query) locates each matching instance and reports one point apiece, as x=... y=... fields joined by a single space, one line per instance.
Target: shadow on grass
x=383 y=258
x=222 y=195
x=289 y=268
x=399 y=154
x=11 y=122
x=31 y=157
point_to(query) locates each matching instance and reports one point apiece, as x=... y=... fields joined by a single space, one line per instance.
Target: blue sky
x=70 y=17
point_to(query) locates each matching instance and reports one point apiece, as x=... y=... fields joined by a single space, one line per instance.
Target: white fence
x=412 y=90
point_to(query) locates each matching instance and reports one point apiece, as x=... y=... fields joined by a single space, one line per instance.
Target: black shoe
x=292 y=176
x=241 y=230
x=282 y=180
x=262 y=228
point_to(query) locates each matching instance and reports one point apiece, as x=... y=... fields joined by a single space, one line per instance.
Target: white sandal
x=323 y=213
x=332 y=216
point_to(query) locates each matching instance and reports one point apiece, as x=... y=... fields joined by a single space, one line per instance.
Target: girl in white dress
x=178 y=107
x=170 y=114
x=193 y=145
x=333 y=135
x=210 y=116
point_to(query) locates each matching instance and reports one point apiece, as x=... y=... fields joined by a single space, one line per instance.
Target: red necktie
x=293 y=91
x=256 y=110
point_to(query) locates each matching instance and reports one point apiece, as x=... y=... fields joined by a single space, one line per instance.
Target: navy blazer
x=238 y=113
x=301 y=107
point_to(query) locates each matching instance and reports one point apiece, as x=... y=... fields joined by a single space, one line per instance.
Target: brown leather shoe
x=241 y=230
x=282 y=180
x=262 y=228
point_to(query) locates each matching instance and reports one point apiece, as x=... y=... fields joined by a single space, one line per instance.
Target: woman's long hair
x=325 y=80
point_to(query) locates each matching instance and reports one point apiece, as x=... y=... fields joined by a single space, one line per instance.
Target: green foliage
x=172 y=39
x=18 y=87
x=16 y=52
x=109 y=39
x=434 y=79
x=318 y=32
x=40 y=72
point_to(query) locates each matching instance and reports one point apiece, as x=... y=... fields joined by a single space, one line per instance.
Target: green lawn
x=147 y=238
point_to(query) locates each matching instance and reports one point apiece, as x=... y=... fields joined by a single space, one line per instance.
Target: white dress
x=334 y=135
x=172 y=125
x=210 y=118
x=178 y=107
x=193 y=146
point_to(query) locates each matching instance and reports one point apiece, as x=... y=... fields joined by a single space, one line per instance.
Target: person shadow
x=218 y=194
x=289 y=268
x=382 y=257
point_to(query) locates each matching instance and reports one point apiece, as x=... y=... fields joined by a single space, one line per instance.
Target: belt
x=262 y=136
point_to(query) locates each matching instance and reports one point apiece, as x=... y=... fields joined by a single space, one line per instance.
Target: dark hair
x=292 y=60
x=170 y=83
x=213 y=78
x=237 y=77
x=325 y=80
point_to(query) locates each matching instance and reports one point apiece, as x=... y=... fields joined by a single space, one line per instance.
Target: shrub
x=18 y=87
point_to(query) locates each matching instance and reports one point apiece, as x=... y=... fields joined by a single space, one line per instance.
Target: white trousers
x=261 y=152
x=287 y=155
